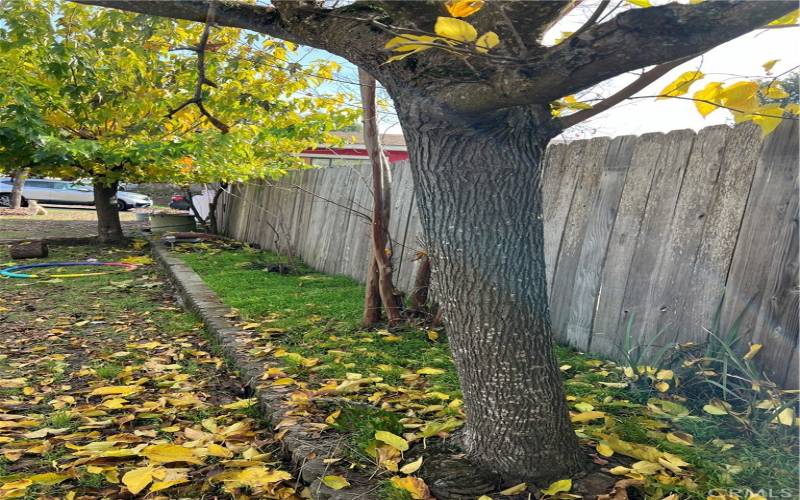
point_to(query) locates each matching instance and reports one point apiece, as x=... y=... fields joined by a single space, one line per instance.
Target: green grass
x=318 y=316
x=387 y=491
x=108 y=371
x=59 y=419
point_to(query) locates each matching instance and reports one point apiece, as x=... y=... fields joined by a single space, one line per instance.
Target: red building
x=354 y=151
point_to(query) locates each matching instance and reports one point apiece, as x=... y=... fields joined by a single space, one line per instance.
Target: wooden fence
x=662 y=230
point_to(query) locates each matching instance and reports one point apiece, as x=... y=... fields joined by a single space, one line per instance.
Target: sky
x=736 y=60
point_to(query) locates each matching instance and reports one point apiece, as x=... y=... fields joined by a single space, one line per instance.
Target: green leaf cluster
x=86 y=92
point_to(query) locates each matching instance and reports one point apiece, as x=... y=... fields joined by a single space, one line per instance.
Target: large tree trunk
x=478 y=193
x=16 y=191
x=109 y=228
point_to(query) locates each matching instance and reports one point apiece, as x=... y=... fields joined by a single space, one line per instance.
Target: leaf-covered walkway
x=108 y=388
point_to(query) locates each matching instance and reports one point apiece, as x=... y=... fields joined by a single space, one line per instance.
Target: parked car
x=66 y=193
x=179 y=202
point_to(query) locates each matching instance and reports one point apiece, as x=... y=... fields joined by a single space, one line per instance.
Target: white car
x=67 y=193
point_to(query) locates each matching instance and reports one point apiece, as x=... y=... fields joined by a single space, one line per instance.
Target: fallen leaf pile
x=108 y=389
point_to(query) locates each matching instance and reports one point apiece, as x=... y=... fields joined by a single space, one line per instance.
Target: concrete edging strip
x=304 y=449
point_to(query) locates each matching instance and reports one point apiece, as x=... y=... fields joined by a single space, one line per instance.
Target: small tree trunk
x=188 y=195
x=478 y=193
x=213 y=223
x=16 y=191
x=372 y=296
x=109 y=228
x=422 y=283
x=380 y=211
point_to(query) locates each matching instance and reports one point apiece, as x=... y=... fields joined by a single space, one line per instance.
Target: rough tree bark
x=109 y=228
x=422 y=282
x=380 y=268
x=481 y=211
x=16 y=191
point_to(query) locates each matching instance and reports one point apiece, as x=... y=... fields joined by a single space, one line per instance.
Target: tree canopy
x=116 y=96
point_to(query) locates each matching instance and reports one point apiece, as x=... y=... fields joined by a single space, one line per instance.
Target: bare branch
x=634 y=39
x=197 y=98
x=593 y=18
x=640 y=83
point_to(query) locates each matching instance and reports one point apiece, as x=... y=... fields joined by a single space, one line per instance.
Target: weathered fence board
x=708 y=279
x=608 y=325
x=654 y=236
x=595 y=242
x=763 y=282
x=574 y=231
x=655 y=230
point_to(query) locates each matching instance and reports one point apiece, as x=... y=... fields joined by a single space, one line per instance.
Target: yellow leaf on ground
x=392 y=440
x=163 y=485
x=640 y=3
x=586 y=416
x=216 y=450
x=13 y=383
x=487 y=41
x=646 y=467
x=430 y=371
x=335 y=482
x=680 y=438
x=414 y=485
x=116 y=390
x=753 y=351
x=137 y=479
x=518 y=488
x=661 y=386
x=561 y=486
x=786 y=417
x=665 y=375
x=455 y=29
x=411 y=467
x=604 y=449
x=713 y=409
x=48 y=478
x=238 y=405
x=169 y=453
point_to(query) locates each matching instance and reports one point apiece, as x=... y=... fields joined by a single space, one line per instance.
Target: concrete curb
x=306 y=450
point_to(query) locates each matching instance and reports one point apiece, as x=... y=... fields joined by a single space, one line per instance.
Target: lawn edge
x=297 y=444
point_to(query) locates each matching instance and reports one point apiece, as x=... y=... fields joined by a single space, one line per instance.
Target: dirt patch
x=60 y=222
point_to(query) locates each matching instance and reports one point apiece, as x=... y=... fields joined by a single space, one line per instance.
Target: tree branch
x=197 y=98
x=250 y=16
x=632 y=40
x=592 y=19
x=640 y=83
